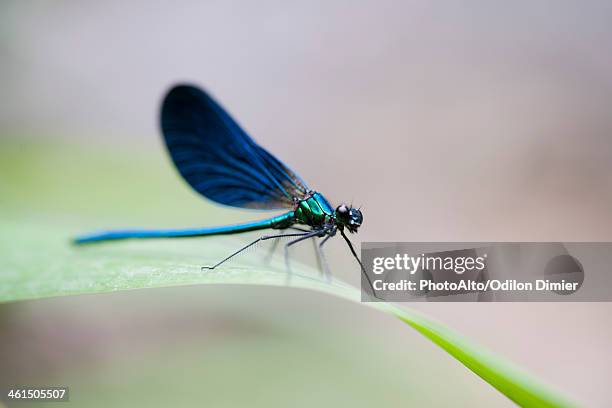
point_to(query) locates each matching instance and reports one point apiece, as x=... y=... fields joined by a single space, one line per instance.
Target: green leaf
x=38 y=261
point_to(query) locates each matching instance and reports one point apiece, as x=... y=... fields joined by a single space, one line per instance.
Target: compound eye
x=356 y=217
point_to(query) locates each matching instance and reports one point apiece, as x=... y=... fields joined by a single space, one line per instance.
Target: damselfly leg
x=323 y=259
x=268 y=257
x=363 y=271
x=307 y=235
x=264 y=238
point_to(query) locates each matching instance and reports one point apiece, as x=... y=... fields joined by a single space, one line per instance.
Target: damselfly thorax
x=314 y=210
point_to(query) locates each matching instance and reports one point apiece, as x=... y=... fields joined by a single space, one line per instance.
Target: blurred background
x=482 y=120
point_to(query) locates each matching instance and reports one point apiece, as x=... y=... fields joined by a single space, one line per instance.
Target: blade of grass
x=36 y=261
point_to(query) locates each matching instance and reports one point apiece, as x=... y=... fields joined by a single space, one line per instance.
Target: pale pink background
x=449 y=121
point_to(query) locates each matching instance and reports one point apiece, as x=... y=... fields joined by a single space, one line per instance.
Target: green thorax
x=314 y=210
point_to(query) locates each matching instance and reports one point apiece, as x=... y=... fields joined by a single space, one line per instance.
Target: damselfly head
x=348 y=217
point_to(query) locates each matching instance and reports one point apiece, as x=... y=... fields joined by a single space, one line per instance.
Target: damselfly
x=221 y=162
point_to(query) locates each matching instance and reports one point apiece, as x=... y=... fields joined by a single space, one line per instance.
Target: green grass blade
x=509 y=380
x=37 y=261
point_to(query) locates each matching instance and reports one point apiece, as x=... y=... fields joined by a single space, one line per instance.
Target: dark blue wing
x=218 y=159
